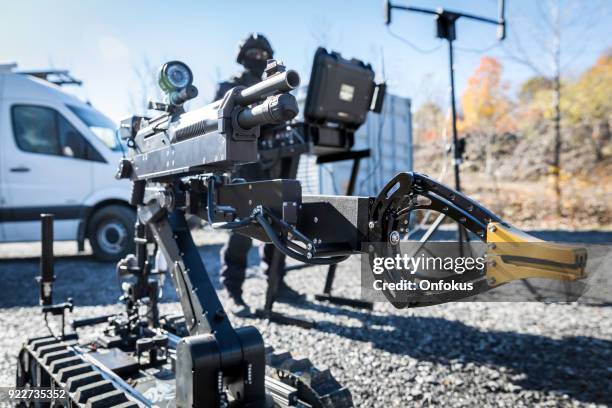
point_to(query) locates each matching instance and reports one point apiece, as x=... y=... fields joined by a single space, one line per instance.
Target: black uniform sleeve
x=244 y=78
x=222 y=88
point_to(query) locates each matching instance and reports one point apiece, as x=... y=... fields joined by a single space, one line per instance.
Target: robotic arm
x=179 y=164
x=511 y=254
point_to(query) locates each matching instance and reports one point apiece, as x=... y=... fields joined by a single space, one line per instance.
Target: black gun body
x=216 y=137
x=199 y=154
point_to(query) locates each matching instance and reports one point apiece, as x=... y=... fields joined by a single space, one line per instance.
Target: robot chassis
x=179 y=163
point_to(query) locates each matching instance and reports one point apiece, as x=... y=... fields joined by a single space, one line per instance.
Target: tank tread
x=57 y=355
x=128 y=404
x=316 y=387
x=107 y=400
x=70 y=372
x=38 y=342
x=64 y=362
x=48 y=361
x=85 y=392
x=82 y=380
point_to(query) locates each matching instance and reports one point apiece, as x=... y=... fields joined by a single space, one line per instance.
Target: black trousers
x=234 y=256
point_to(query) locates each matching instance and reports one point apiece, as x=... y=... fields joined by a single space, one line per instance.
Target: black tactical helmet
x=253 y=41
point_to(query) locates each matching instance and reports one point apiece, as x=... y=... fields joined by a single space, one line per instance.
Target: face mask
x=257 y=67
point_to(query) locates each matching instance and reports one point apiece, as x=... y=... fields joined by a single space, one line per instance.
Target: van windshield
x=100 y=125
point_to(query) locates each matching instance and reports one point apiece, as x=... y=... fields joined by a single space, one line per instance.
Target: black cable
x=478 y=51
x=261 y=219
x=48 y=327
x=211 y=208
x=258 y=215
x=411 y=45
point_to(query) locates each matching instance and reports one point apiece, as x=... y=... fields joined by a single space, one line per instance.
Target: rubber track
x=315 y=387
x=49 y=362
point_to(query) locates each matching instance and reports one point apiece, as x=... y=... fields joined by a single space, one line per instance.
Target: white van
x=59 y=155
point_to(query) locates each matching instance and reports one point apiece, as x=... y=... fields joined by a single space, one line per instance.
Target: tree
x=531 y=87
x=544 y=30
x=589 y=104
x=428 y=123
x=146 y=79
x=486 y=106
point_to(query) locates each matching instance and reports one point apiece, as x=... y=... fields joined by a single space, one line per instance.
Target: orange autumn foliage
x=486 y=107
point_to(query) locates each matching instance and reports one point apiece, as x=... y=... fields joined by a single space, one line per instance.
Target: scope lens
x=178 y=75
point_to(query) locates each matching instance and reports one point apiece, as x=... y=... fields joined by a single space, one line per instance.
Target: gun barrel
x=282 y=82
x=275 y=109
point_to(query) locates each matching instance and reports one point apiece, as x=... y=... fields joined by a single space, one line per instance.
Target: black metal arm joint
x=400 y=196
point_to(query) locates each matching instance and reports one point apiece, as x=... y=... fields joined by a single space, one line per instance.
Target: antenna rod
x=456 y=150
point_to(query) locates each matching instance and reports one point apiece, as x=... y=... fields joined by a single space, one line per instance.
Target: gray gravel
x=461 y=354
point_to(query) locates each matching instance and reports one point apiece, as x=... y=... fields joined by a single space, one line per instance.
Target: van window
x=100 y=125
x=35 y=129
x=44 y=130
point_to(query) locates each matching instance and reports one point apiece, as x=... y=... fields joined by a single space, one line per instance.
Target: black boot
x=237 y=306
x=286 y=294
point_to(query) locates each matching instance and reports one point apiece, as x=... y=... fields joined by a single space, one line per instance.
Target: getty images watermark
x=422 y=263
x=413 y=273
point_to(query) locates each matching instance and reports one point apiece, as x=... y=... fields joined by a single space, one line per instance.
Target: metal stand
x=445 y=29
x=326 y=296
x=47 y=276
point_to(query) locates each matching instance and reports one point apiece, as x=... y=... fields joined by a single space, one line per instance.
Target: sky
x=106 y=43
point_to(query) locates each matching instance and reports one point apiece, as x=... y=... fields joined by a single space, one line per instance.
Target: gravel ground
x=461 y=354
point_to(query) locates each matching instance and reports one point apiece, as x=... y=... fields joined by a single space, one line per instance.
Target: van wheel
x=111 y=232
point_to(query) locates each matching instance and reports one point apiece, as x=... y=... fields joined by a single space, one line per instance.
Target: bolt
x=309 y=255
x=493 y=228
x=371 y=224
x=219 y=314
x=492 y=246
x=315 y=220
x=394 y=237
x=491 y=281
x=250 y=202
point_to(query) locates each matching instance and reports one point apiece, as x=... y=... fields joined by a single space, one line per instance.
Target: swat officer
x=253 y=54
